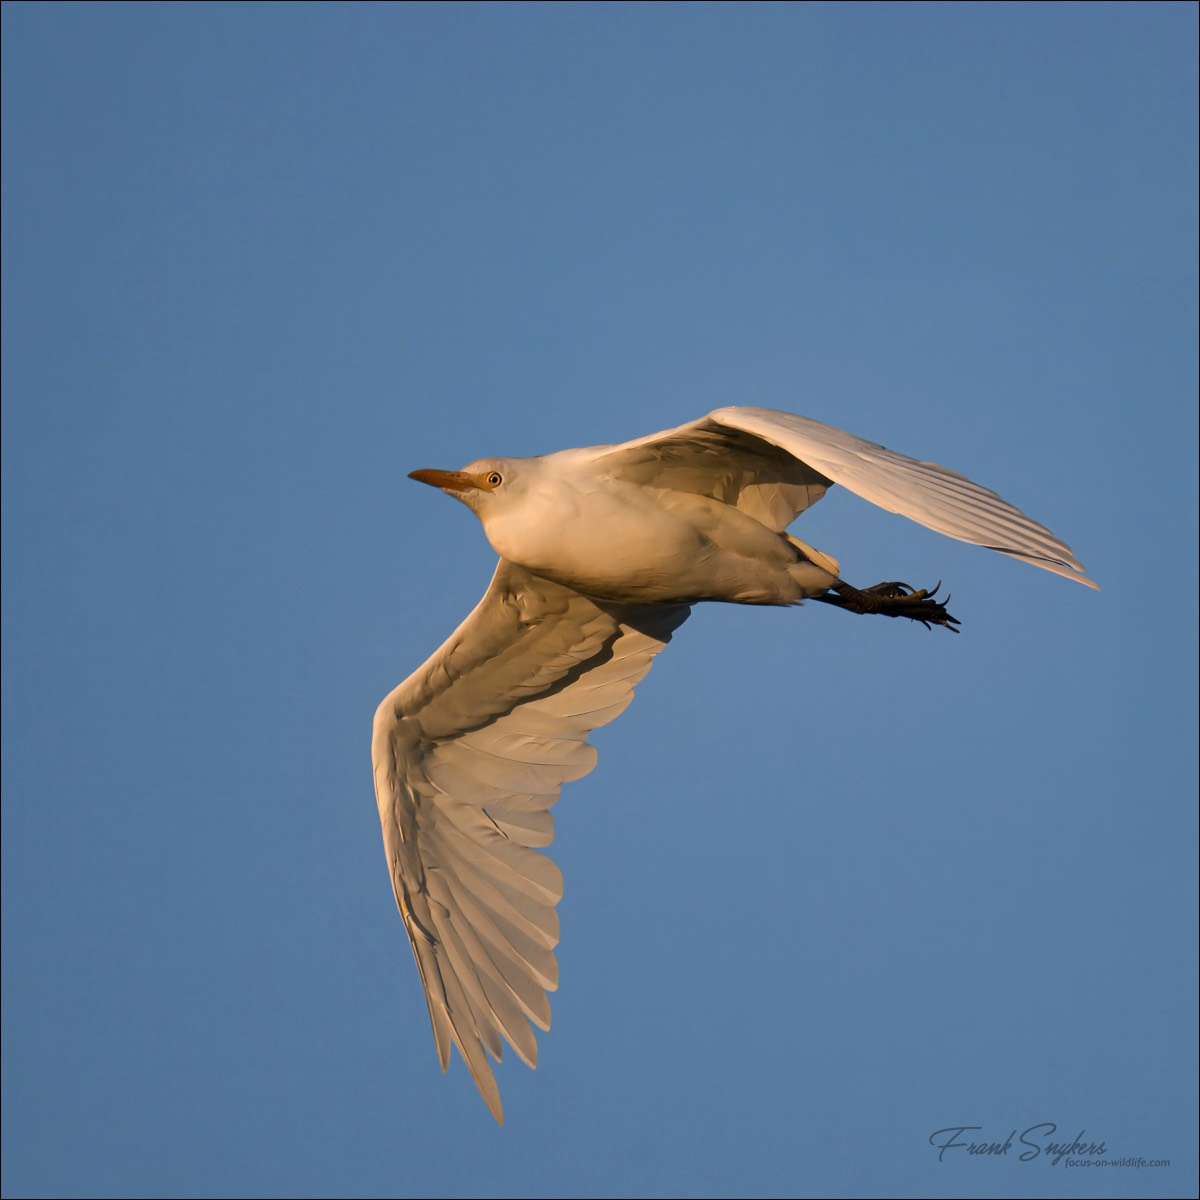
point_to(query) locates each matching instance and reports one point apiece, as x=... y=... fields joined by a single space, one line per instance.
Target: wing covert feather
x=470 y=753
x=707 y=458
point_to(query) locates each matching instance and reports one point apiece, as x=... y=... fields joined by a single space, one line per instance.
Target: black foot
x=893 y=600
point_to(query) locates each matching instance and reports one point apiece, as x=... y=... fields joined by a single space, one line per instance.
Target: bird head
x=477 y=485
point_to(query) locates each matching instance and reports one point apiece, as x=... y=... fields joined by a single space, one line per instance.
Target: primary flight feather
x=602 y=552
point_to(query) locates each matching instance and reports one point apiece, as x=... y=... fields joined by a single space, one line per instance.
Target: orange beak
x=449 y=481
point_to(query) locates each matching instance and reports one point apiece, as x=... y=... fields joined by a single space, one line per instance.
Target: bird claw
x=924 y=606
x=897 y=599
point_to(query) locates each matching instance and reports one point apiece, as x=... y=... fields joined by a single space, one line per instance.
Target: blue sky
x=834 y=884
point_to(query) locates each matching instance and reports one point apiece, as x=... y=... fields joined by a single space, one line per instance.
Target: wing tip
x=1070 y=569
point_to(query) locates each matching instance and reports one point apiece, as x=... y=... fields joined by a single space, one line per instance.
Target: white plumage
x=603 y=550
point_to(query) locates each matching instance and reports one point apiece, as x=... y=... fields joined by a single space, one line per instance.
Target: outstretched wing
x=469 y=755
x=773 y=465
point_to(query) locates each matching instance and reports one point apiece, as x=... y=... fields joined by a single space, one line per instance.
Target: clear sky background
x=836 y=883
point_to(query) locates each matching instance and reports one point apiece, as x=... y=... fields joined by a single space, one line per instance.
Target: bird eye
x=494 y=478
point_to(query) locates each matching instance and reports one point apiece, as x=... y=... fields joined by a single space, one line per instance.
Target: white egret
x=602 y=551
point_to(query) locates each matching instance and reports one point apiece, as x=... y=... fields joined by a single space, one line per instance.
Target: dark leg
x=892 y=600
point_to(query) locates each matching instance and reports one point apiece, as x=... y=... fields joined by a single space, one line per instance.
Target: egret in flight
x=603 y=551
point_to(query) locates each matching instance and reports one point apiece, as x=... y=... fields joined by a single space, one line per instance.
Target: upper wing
x=777 y=463
x=710 y=457
x=469 y=755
